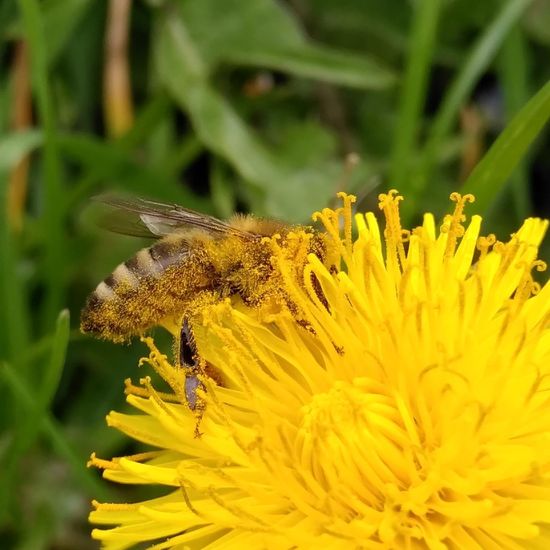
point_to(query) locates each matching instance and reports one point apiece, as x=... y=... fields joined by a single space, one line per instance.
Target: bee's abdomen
x=137 y=294
x=147 y=263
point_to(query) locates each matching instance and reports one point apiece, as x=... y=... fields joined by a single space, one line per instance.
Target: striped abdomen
x=148 y=262
x=148 y=287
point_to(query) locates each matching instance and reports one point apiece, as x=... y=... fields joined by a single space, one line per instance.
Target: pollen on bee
x=173 y=277
x=130 y=309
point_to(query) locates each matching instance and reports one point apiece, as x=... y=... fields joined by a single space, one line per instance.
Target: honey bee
x=196 y=257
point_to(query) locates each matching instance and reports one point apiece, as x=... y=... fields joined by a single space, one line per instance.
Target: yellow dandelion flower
x=410 y=407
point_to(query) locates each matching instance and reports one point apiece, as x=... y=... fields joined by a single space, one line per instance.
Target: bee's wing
x=145 y=218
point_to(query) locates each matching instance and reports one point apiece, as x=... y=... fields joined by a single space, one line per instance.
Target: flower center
x=354 y=429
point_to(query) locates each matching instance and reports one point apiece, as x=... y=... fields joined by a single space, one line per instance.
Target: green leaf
x=302 y=192
x=264 y=34
x=54 y=366
x=60 y=20
x=261 y=24
x=537 y=21
x=17 y=145
x=14 y=315
x=54 y=433
x=413 y=93
x=217 y=125
x=183 y=154
x=53 y=214
x=514 y=77
x=303 y=142
x=150 y=115
x=222 y=190
x=109 y=162
x=222 y=130
x=288 y=194
x=489 y=176
x=318 y=62
x=29 y=422
x=481 y=55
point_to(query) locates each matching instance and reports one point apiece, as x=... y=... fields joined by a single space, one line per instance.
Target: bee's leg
x=188 y=359
x=187 y=346
x=192 y=384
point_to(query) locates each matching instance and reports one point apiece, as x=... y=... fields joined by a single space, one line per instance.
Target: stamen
x=131 y=389
x=331 y=220
x=484 y=244
x=453 y=224
x=393 y=233
x=284 y=266
x=238 y=512
x=102 y=464
x=348 y=200
x=114 y=506
x=174 y=377
x=156 y=397
x=527 y=287
x=142 y=457
x=424 y=251
x=186 y=499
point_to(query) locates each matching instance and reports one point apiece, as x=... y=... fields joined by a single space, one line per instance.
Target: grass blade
x=14 y=336
x=28 y=428
x=33 y=25
x=481 y=55
x=29 y=422
x=52 y=375
x=413 y=92
x=513 y=74
x=489 y=176
x=53 y=432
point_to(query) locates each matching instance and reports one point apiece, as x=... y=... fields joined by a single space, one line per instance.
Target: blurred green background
x=223 y=105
